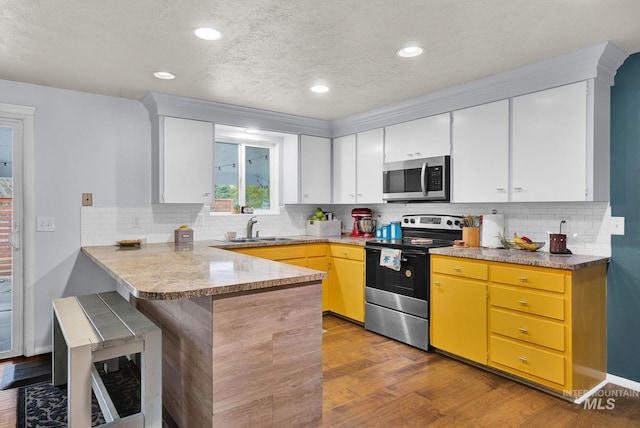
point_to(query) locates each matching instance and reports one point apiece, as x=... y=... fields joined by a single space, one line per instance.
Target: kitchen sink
x=274 y=238
x=260 y=239
x=244 y=240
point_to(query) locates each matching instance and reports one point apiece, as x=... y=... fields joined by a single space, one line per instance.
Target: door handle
x=12 y=242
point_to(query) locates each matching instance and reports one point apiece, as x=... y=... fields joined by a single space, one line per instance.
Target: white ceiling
x=272 y=51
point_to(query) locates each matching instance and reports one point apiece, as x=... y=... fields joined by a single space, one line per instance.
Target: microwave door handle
x=423 y=181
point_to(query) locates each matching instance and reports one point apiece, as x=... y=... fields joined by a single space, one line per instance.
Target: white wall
x=83 y=143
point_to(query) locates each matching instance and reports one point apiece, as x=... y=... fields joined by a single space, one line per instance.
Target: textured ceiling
x=272 y=51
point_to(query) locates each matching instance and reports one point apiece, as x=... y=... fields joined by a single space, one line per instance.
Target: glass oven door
x=412 y=280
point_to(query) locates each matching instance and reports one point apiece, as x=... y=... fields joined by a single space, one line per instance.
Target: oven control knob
x=413 y=220
x=457 y=223
x=406 y=220
x=449 y=222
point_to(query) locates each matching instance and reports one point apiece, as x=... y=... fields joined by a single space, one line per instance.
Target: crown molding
x=159 y=104
x=599 y=62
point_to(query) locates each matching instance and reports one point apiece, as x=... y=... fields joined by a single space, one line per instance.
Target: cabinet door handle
x=517 y=189
x=418 y=153
x=344 y=253
x=500 y=189
x=351 y=195
x=522 y=302
x=360 y=195
x=306 y=195
x=206 y=194
x=523 y=359
x=410 y=155
x=522 y=279
x=436 y=282
x=523 y=330
x=457 y=269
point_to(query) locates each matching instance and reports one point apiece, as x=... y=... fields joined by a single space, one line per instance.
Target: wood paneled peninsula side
x=241 y=336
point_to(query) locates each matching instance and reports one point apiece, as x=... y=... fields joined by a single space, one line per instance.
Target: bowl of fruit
x=520 y=243
x=525 y=243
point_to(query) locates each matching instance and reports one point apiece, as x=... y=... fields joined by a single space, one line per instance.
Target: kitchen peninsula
x=242 y=336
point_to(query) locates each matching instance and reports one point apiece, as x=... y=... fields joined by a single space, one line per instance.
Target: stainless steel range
x=397 y=297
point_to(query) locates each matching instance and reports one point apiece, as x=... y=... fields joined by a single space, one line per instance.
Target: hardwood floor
x=372 y=381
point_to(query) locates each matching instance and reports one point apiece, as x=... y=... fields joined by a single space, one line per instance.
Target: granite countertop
x=522 y=257
x=169 y=271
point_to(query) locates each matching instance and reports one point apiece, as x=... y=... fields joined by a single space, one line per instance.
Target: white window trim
x=274 y=176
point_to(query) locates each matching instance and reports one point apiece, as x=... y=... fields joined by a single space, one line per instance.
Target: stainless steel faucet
x=250 y=224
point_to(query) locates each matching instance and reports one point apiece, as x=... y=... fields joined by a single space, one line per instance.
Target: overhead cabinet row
x=550 y=145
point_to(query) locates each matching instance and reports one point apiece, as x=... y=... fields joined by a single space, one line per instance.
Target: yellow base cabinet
x=545 y=326
x=318 y=259
x=346 y=281
x=458 y=321
x=313 y=256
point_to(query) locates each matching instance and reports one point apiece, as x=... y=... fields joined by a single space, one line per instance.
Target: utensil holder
x=471 y=236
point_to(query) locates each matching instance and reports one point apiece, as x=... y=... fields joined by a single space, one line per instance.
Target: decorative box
x=324 y=228
x=183 y=235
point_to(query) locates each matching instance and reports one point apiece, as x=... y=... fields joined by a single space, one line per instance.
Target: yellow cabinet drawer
x=543 y=279
x=460 y=267
x=351 y=252
x=277 y=252
x=316 y=250
x=527 y=328
x=527 y=360
x=530 y=302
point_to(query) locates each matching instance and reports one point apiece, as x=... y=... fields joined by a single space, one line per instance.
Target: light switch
x=45 y=224
x=617 y=225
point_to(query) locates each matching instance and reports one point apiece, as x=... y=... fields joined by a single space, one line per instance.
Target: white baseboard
x=625 y=383
x=43 y=349
x=592 y=391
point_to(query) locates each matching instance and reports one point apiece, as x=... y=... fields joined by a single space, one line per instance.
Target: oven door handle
x=408 y=252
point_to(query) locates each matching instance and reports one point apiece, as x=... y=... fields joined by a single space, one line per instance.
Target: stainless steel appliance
x=425 y=179
x=397 y=302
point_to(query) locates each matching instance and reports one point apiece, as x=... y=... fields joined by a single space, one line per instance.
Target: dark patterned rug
x=44 y=405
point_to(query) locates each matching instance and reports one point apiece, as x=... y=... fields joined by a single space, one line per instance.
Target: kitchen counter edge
x=521 y=257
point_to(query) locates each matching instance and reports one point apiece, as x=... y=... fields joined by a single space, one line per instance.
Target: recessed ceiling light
x=319 y=89
x=410 y=51
x=251 y=131
x=208 y=33
x=165 y=75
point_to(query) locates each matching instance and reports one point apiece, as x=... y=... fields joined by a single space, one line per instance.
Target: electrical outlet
x=45 y=224
x=87 y=199
x=199 y=220
x=617 y=225
x=135 y=222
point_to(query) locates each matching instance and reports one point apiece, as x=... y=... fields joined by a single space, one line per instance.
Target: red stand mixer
x=363 y=224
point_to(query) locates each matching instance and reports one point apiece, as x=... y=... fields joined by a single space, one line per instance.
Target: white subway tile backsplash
x=587 y=225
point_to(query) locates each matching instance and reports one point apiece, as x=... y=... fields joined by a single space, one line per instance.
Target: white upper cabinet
x=315 y=170
x=357 y=168
x=369 y=160
x=344 y=170
x=549 y=145
x=183 y=173
x=421 y=138
x=480 y=153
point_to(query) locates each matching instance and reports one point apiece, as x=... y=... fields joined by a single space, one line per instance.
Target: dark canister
x=557 y=243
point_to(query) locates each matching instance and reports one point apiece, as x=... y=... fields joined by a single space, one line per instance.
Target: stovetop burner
x=424 y=231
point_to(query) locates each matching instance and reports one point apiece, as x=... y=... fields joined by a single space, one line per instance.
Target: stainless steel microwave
x=425 y=179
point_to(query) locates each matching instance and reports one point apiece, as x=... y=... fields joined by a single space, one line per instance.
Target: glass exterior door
x=10 y=278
